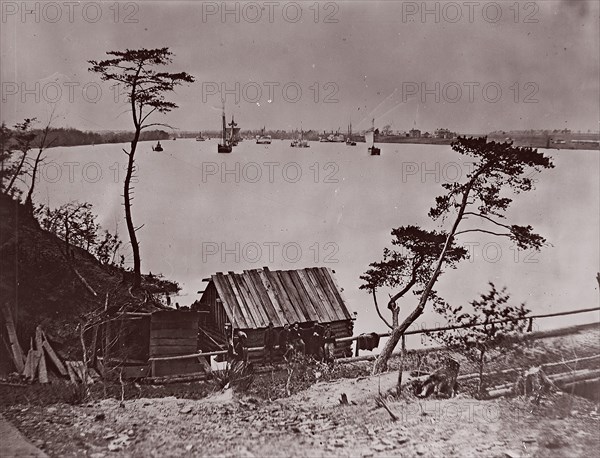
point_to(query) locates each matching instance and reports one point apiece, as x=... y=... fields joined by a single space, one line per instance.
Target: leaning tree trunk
x=137 y=268
x=381 y=362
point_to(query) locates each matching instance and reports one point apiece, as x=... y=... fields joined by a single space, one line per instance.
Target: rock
x=100 y=417
x=186 y=409
x=109 y=436
x=51 y=409
x=189 y=447
x=529 y=440
x=379 y=448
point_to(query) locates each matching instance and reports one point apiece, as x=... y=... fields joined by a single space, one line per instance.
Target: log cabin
x=248 y=301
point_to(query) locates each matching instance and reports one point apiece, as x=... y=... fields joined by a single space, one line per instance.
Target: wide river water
x=333 y=205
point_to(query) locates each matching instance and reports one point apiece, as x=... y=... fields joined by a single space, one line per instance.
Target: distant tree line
x=68 y=136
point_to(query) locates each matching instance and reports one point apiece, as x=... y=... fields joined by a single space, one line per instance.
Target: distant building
x=444 y=133
x=415 y=133
x=426 y=135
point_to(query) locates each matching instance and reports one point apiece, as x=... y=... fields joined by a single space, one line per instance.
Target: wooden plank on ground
x=27 y=372
x=17 y=351
x=42 y=371
x=71 y=372
x=54 y=357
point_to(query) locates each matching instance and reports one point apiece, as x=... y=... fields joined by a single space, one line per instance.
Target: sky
x=472 y=68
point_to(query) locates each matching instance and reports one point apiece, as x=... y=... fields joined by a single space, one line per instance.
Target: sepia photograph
x=355 y=228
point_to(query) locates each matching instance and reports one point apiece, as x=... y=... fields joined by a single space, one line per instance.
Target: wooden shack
x=141 y=344
x=249 y=300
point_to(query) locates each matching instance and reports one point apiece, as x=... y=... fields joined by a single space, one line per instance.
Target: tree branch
x=379 y=311
x=484 y=231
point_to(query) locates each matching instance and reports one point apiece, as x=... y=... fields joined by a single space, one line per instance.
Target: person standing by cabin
x=285 y=341
x=318 y=341
x=269 y=342
x=242 y=346
x=328 y=345
x=298 y=341
x=231 y=344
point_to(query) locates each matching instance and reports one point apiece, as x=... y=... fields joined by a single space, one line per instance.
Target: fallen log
x=561 y=381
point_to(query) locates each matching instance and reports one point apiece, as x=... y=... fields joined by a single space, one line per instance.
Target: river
x=333 y=205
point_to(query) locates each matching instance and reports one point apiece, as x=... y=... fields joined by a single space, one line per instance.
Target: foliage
x=16 y=145
x=145 y=89
x=76 y=225
x=498 y=168
x=409 y=264
x=499 y=322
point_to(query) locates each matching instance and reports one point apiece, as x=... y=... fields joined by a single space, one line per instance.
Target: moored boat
x=225 y=146
x=370 y=139
x=263 y=139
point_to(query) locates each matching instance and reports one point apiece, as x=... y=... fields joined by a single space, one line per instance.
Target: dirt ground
x=313 y=423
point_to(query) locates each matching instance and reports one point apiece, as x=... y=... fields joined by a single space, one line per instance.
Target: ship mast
x=224 y=124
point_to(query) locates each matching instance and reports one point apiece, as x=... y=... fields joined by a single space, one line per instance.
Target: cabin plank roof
x=254 y=297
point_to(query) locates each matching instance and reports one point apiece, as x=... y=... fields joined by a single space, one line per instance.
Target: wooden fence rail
x=387 y=334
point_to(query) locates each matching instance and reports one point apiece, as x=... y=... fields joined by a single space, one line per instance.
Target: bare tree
x=42 y=145
x=18 y=141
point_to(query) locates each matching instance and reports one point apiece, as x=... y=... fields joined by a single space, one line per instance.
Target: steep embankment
x=43 y=287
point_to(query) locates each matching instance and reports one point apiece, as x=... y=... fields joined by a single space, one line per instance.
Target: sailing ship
x=263 y=139
x=349 y=141
x=158 y=147
x=225 y=146
x=200 y=138
x=233 y=133
x=300 y=142
x=370 y=139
